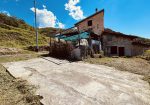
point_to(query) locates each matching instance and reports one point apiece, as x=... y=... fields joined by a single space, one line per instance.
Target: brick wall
x=97 y=24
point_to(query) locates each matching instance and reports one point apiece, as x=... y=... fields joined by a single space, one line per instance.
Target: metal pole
x=78 y=37
x=36 y=29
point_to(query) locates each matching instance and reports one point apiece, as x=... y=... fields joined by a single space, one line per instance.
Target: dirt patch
x=16 y=91
x=9 y=51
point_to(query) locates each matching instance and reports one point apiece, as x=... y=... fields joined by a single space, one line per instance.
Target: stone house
x=119 y=44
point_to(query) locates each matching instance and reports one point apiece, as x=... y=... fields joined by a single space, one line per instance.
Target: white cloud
x=5 y=12
x=44 y=6
x=47 y=18
x=74 y=10
x=60 y=25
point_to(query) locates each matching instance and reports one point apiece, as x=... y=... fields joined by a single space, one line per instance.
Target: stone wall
x=139 y=49
x=111 y=40
x=121 y=41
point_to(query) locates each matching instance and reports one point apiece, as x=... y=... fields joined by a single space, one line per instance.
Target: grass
x=15 y=91
x=147 y=53
x=19 y=57
x=133 y=65
x=16 y=33
x=18 y=38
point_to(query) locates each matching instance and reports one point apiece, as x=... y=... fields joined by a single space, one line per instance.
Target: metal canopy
x=83 y=35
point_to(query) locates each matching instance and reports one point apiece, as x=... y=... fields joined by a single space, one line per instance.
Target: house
x=111 y=42
x=119 y=44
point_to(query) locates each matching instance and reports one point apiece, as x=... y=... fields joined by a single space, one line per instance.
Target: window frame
x=90 y=23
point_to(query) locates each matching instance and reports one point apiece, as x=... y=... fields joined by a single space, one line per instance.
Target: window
x=90 y=23
x=113 y=49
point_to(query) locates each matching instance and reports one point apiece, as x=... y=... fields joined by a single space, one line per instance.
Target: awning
x=83 y=35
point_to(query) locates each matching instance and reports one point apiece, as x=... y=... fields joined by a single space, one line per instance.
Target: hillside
x=15 y=32
x=49 y=31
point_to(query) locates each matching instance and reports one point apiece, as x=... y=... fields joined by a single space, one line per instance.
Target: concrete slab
x=63 y=83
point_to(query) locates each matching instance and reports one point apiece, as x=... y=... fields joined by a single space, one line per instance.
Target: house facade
x=118 y=44
x=94 y=23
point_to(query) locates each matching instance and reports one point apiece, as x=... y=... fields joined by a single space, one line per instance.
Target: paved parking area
x=63 y=83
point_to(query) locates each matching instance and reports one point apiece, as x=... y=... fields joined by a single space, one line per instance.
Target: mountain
x=15 y=32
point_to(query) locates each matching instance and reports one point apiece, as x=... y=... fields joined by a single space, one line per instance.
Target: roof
x=91 y=16
x=142 y=42
x=83 y=35
x=136 y=39
x=109 y=31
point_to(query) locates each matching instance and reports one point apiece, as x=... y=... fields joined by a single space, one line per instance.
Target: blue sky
x=126 y=16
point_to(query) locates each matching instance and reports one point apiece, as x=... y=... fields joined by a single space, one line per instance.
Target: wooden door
x=113 y=49
x=121 y=51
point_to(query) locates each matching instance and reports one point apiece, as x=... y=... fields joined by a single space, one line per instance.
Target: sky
x=126 y=16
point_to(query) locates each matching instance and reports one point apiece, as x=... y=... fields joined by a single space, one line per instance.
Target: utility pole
x=36 y=28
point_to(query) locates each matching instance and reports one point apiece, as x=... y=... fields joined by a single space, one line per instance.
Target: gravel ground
x=63 y=83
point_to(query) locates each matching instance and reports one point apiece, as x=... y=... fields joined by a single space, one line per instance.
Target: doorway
x=121 y=51
x=113 y=50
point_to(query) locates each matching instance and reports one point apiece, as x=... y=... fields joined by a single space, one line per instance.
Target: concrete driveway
x=78 y=83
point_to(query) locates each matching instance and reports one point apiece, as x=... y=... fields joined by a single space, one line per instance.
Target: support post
x=100 y=46
x=50 y=47
x=36 y=29
x=78 y=36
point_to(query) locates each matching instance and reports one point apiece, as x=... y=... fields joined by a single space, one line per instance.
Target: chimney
x=96 y=10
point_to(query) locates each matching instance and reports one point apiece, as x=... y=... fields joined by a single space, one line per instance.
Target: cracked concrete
x=63 y=83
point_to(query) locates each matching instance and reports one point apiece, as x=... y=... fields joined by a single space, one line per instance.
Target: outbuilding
x=119 y=44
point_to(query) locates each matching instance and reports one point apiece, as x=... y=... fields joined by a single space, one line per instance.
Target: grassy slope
x=18 y=37
x=15 y=32
x=49 y=31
